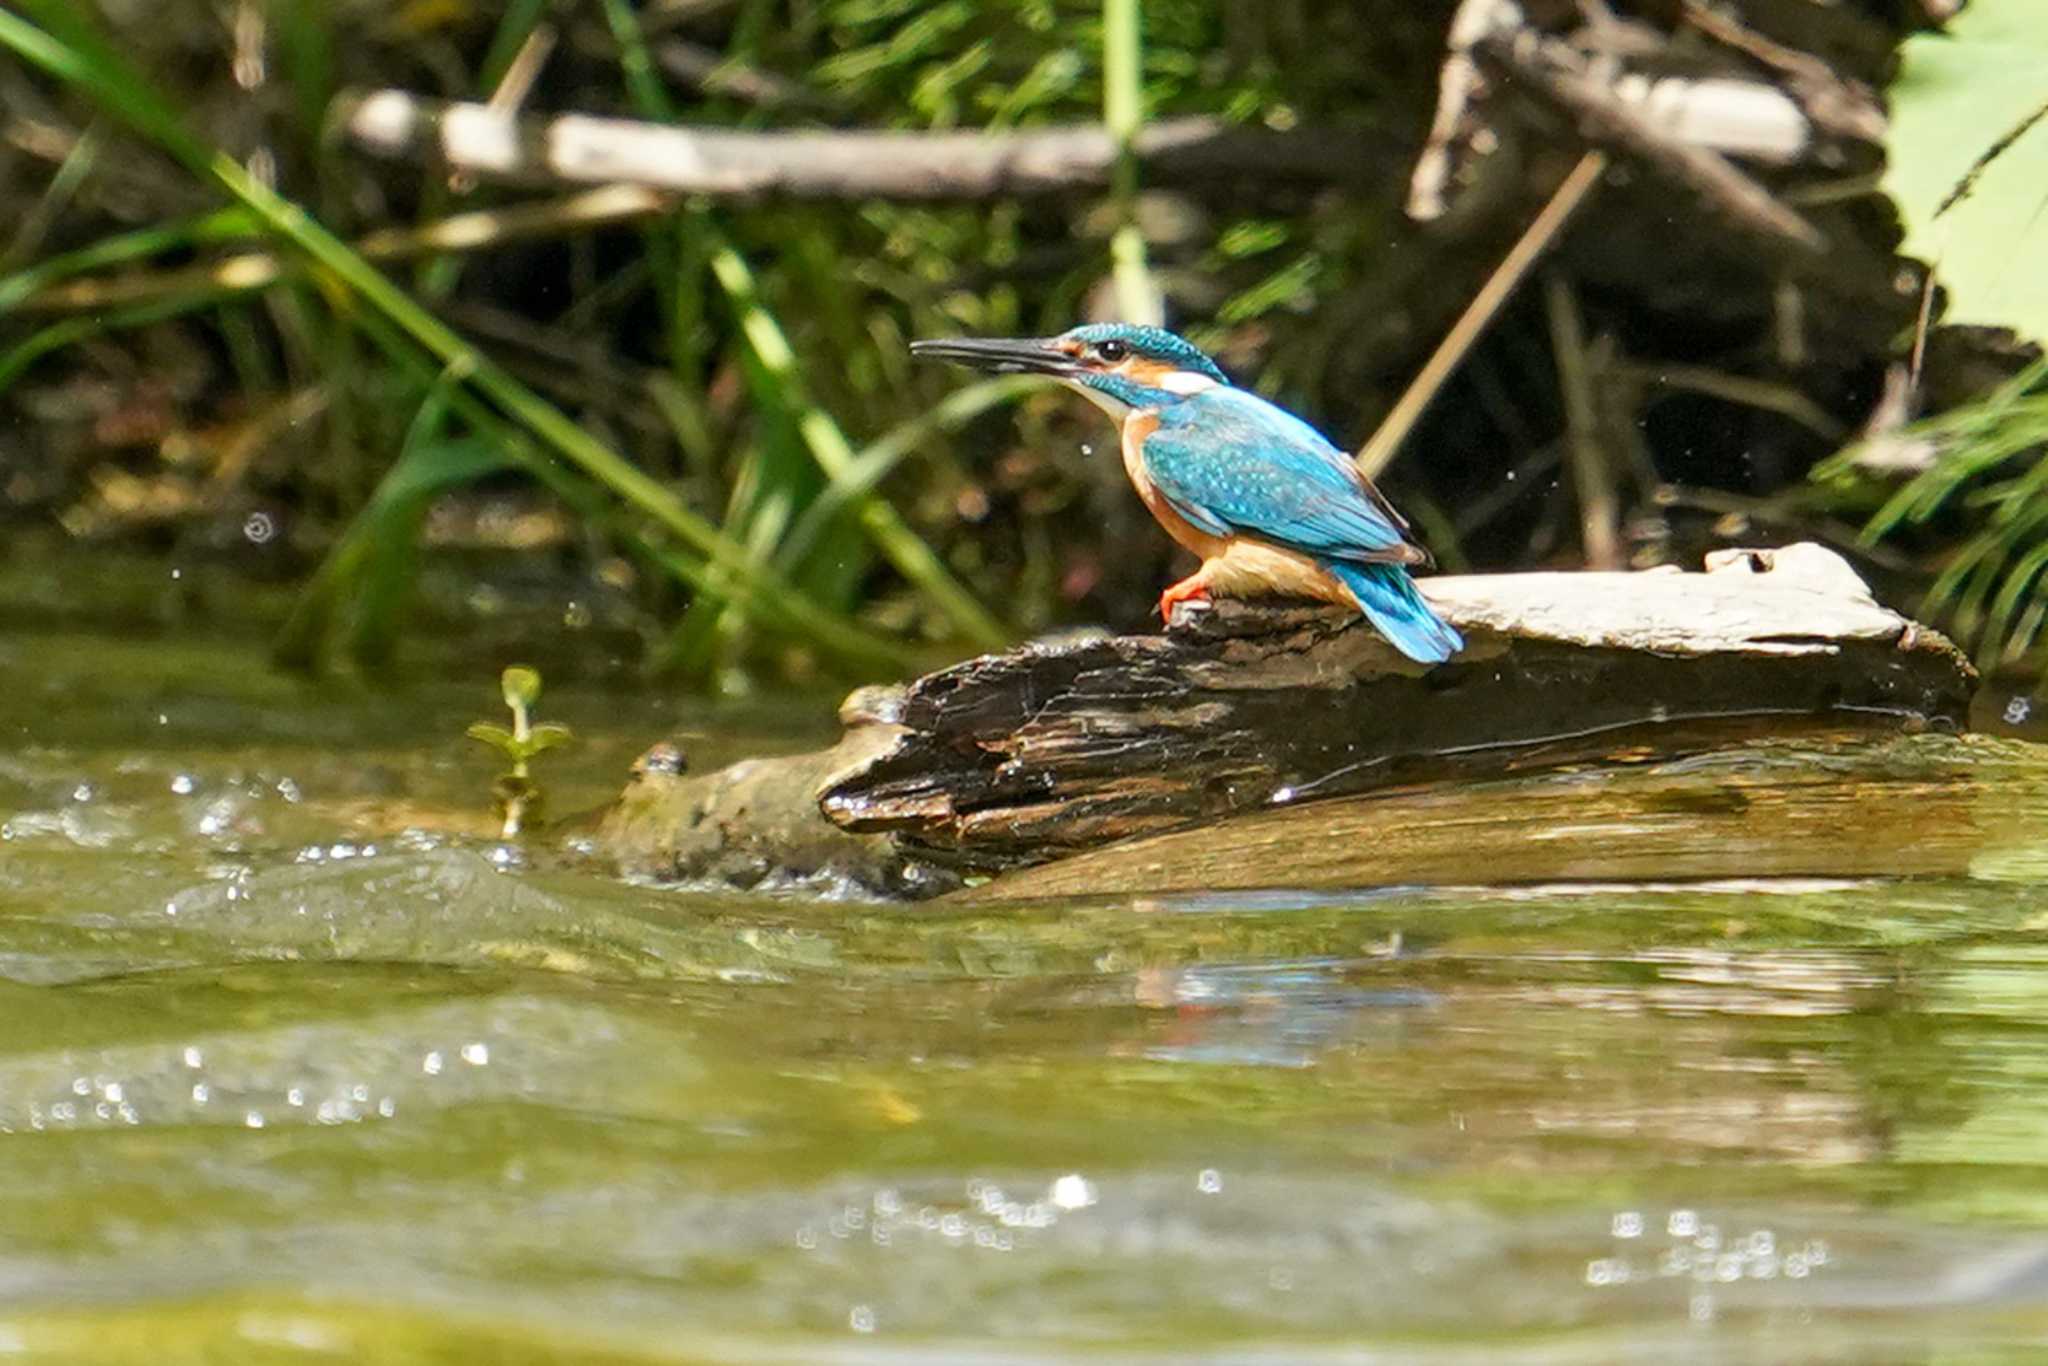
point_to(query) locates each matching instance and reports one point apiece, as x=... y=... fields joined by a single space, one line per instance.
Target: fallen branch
x=729 y=163
x=1604 y=118
x=1043 y=752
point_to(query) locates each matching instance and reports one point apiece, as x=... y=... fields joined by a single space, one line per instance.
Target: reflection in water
x=291 y=1061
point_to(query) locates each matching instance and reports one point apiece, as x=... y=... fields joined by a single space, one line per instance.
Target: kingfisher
x=1269 y=506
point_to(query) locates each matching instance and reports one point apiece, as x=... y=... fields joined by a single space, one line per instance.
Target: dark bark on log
x=1017 y=759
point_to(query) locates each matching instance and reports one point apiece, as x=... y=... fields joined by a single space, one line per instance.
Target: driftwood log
x=1044 y=752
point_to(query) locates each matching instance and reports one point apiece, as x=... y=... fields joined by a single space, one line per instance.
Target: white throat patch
x=1186 y=382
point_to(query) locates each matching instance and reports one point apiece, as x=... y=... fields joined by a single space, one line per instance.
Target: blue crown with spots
x=1153 y=343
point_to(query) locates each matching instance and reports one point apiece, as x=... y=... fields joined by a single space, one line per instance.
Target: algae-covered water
x=297 y=1063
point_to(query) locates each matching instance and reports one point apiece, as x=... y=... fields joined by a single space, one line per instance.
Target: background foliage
x=699 y=436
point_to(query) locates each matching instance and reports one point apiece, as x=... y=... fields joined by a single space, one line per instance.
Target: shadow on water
x=294 y=1063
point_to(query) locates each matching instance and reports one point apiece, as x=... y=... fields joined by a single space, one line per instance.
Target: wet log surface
x=1050 y=750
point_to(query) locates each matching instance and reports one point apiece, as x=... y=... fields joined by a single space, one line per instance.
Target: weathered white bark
x=1797 y=600
x=501 y=144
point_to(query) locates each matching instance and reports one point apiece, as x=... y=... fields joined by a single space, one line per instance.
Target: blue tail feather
x=1387 y=596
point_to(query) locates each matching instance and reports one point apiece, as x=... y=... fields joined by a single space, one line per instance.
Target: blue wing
x=1231 y=462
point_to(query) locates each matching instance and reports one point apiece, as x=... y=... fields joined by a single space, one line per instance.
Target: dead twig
x=1843 y=107
x=1386 y=439
x=1592 y=480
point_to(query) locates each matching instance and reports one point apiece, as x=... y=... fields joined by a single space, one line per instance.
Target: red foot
x=1190 y=589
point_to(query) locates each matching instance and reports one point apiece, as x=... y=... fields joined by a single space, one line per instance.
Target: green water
x=292 y=1068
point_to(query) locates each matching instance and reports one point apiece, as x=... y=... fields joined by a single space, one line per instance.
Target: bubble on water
x=183 y=785
x=200 y=1093
x=476 y=1054
x=431 y=1064
x=193 y=1058
x=2017 y=710
x=861 y=1319
x=1628 y=1224
x=1209 y=1181
x=258 y=528
x=1701 y=1309
x=387 y=1107
x=81 y=1086
x=296 y=1096
x=1682 y=1223
x=112 y=1091
x=254 y=1119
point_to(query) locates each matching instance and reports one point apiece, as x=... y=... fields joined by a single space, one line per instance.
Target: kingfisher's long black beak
x=1012 y=356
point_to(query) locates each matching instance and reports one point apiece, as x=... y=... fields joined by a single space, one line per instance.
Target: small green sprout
x=519 y=796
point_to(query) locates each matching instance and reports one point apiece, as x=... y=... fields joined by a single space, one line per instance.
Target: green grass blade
x=835 y=456
x=726 y=566
x=880 y=457
x=1123 y=111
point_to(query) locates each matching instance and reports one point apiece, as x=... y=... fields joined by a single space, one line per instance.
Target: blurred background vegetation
x=681 y=432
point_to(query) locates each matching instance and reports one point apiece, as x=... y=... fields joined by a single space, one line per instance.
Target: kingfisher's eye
x=1112 y=350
